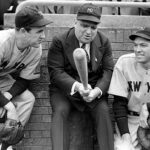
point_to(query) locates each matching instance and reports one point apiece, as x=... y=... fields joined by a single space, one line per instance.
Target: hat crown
x=89 y=10
x=143 y=33
x=29 y=17
x=145 y=30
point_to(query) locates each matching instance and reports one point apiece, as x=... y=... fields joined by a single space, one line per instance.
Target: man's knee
x=61 y=110
x=103 y=107
x=28 y=97
x=24 y=104
x=60 y=105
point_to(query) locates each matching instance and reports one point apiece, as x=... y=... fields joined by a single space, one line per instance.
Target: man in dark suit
x=66 y=89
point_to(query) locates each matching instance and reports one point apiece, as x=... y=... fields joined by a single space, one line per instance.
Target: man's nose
x=138 y=49
x=88 y=30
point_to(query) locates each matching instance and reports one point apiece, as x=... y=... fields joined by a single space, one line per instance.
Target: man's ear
x=23 y=30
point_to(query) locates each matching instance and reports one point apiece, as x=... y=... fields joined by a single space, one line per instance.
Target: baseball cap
x=30 y=17
x=144 y=33
x=89 y=12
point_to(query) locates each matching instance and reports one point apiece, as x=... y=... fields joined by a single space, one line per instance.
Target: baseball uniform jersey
x=12 y=60
x=132 y=81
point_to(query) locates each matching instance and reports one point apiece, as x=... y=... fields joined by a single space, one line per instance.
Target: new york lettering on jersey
x=135 y=86
x=8 y=67
x=17 y=69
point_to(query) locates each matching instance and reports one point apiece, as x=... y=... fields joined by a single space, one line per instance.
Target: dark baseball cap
x=143 y=33
x=30 y=17
x=89 y=12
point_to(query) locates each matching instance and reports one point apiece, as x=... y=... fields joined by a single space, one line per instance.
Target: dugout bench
x=38 y=129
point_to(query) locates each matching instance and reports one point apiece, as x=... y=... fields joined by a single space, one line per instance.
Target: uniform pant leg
x=24 y=104
x=103 y=126
x=60 y=126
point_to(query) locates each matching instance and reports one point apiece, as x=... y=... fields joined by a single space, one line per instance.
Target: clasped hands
x=88 y=94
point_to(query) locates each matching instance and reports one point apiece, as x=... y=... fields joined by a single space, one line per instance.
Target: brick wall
x=37 y=134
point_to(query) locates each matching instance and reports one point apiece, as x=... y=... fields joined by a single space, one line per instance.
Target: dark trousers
x=61 y=107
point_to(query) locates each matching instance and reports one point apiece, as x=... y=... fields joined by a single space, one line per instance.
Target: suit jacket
x=61 y=65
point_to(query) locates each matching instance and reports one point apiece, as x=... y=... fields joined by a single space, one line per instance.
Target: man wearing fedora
x=130 y=86
x=66 y=89
x=20 y=53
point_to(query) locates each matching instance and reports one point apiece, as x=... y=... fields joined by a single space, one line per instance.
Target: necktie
x=87 y=56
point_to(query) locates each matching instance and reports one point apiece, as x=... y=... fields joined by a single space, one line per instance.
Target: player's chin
x=140 y=59
x=36 y=45
x=87 y=40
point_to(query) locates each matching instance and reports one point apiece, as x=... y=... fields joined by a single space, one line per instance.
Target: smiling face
x=85 y=31
x=35 y=36
x=142 y=50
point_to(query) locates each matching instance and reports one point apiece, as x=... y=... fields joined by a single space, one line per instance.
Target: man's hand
x=144 y=116
x=127 y=142
x=83 y=92
x=93 y=93
x=7 y=95
x=11 y=111
x=2 y=109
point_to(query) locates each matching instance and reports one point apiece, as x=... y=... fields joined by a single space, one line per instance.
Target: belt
x=133 y=113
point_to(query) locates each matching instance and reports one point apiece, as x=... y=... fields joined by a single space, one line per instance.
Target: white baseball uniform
x=24 y=64
x=12 y=59
x=132 y=81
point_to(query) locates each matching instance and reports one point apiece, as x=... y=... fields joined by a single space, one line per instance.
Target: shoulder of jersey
x=127 y=57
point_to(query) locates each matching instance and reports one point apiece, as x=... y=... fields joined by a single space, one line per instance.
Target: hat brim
x=142 y=35
x=88 y=18
x=40 y=23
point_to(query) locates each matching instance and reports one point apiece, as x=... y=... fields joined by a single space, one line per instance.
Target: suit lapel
x=95 y=53
x=71 y=44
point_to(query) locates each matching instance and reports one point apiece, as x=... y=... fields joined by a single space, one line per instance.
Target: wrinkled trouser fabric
x=60 y=130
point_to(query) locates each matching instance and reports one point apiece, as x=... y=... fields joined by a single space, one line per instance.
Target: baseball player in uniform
x=130 y=86
x=20 y=53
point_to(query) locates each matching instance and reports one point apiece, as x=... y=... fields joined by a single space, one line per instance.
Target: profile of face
x=85 y=31
x=35 y=36
x=142 y=50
